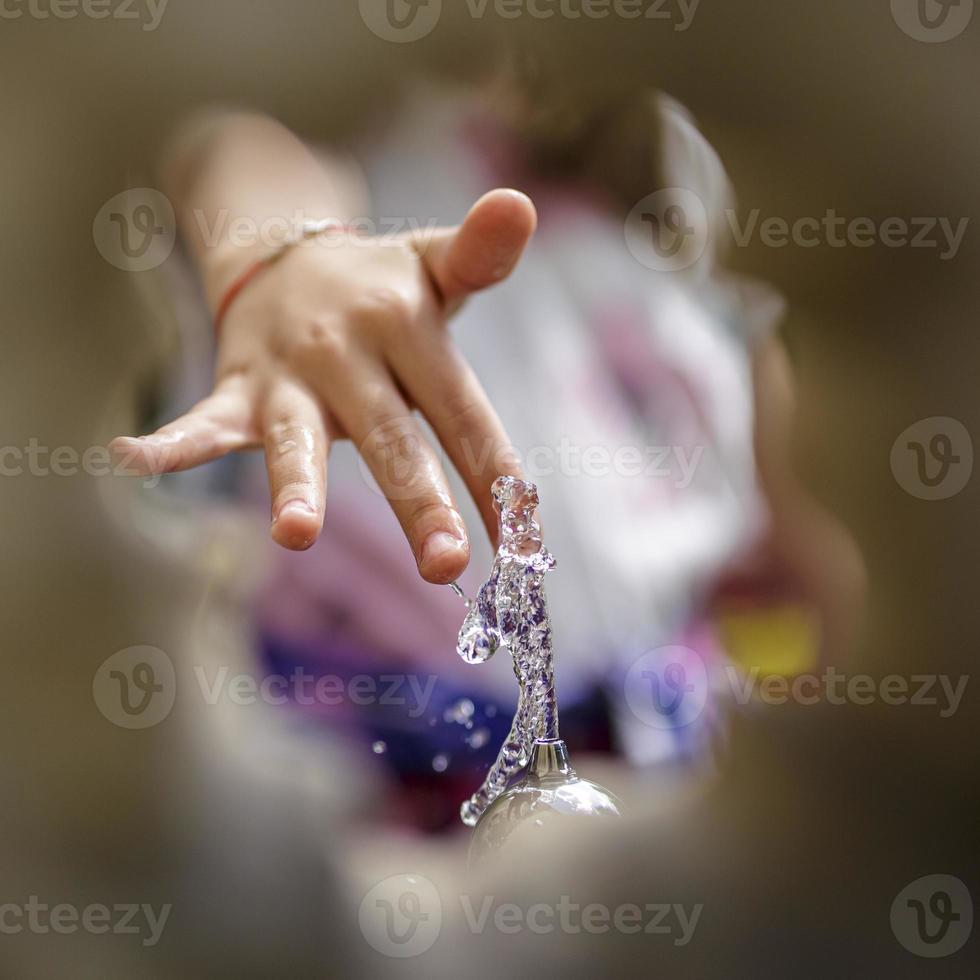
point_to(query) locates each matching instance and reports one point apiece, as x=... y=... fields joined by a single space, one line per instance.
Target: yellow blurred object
x=776 y=639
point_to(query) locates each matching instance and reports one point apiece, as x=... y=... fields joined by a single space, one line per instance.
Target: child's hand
x=343 y=342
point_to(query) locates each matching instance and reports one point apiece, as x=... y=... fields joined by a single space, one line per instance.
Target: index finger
x=445 y=388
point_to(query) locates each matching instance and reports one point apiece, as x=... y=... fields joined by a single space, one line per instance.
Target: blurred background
x=264 y=839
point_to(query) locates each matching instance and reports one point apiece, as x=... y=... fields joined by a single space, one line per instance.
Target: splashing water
x=460 y=712
x=477 y=739
x=511 y=611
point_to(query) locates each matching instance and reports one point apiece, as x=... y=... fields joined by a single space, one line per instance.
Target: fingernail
x=438 y=544
x=299 y=508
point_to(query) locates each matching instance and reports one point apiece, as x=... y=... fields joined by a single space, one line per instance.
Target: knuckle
x=400 y=458
x=380 y=309
x=236 y=373
x=320 y=341
x=285 y=433
x=291 y=447
x=466 y=423
x=426 y=510
x=462 y=412
x=285 y=439
x=392 y=433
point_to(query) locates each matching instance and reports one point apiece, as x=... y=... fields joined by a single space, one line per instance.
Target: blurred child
x=650 y=401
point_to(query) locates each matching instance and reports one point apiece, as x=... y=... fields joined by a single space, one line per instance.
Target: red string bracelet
x=309 y=229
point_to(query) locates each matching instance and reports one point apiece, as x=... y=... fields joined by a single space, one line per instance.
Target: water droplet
x=479 y=738
x=440 y=762
x=490 y=711
x=379 y=747
x=460 y=712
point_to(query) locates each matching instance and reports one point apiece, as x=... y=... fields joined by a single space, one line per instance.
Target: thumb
x=484 y=249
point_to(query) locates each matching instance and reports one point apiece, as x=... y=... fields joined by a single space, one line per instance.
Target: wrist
x=219 y=266
x=224 y=262
x=234 y=277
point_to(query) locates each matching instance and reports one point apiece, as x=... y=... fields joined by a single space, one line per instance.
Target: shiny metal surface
x=549 y=790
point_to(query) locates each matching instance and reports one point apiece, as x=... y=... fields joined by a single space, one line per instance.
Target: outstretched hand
x=344 y=342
